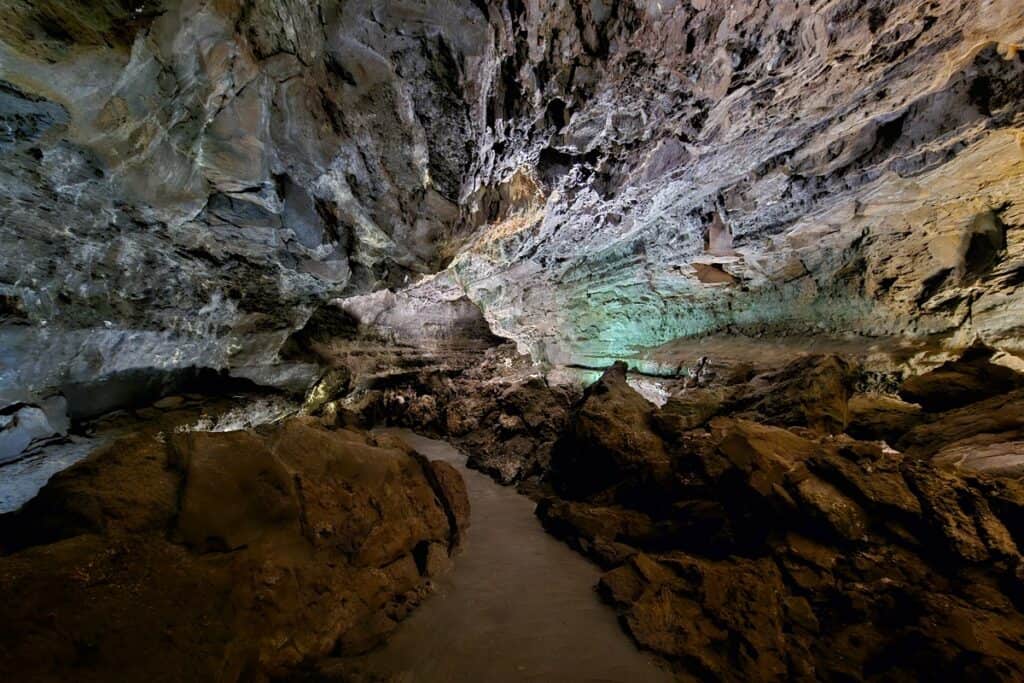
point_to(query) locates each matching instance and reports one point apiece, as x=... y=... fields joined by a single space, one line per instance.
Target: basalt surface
x=746 y=536
x=761 y=167
x=369 y=203
x=497 y=407
x=186 y=182
x=243 y=555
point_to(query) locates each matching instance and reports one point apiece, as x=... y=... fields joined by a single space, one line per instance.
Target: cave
x=433 y=341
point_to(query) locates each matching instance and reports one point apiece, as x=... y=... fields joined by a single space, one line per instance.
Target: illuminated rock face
x=185 y=182
x=756 y=167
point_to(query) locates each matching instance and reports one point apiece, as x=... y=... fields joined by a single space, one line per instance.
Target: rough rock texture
x=968 y=379
x=221 y=556
x=508 y=430
x=757 y=166
x=609 y=448
x=186 y=182
x=26 y=427
x=349 y=199
x=495 y=406
x=756 y=548
x=876 y=417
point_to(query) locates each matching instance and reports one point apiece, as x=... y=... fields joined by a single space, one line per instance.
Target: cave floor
x=518 y=605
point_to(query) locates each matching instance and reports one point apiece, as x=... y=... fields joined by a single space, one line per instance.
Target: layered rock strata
x=755 y=166
x=186 y=182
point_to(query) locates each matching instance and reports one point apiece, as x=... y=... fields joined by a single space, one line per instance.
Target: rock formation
x=756 y=166
x=222 y=556
x=504 y=415
x=188 y=182
x=746 y=538
x=452 y=215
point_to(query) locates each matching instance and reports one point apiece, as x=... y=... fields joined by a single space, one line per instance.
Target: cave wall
x=760 y=167
x=186 y=181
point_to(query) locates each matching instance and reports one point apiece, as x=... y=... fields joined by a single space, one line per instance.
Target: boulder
x=516 y=430
x=776 y=551
x=823 y=500
x=1002 y=415
x=873 y=476
x=610 y=447
x=692 y=409
x=222 y=556
x=876 y=417
x=811 y=391
x=971 y=378
x=506 y=425
x=695 y=610
x=996 y=454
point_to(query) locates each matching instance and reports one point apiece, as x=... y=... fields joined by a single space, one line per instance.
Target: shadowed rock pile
x=222 y=556
x=747 y=537
x=498 y=410
x=506 y=427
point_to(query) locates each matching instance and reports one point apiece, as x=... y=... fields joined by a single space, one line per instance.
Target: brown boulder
x=723 y=620
x=811 y=391
x=995 y=454
x=228 y=502
x=692 y=409
x=763 y=454
x=959 y=516
x=610 y=448
x=517 y=429
x=876 y=417
x=1002 y=415
x=606 y=533
x=777 y=552
x=871 y=475
x=971 y=378
x=824 y=501
x=451 y=490
x=284 y=546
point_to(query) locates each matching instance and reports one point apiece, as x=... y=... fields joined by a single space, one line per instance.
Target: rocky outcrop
x=967 y=415
x=187 y=183
x=609 y=448
x=877 y=417
x=745 y=542
x=756 y=167
x=995 y=420
x=353 y=200
x=495 y=405
x=222 y=556
x=968 y=379
x=29 y=427
x=509 y=432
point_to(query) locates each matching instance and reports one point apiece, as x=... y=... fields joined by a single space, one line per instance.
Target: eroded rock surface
x=745 y=542
x=495 y=405
x=756 y=166
x=222 y=556
x=186 y=182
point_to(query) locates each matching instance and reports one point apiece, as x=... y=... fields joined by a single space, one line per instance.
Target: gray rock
x=185 y=183
x=28 y=425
